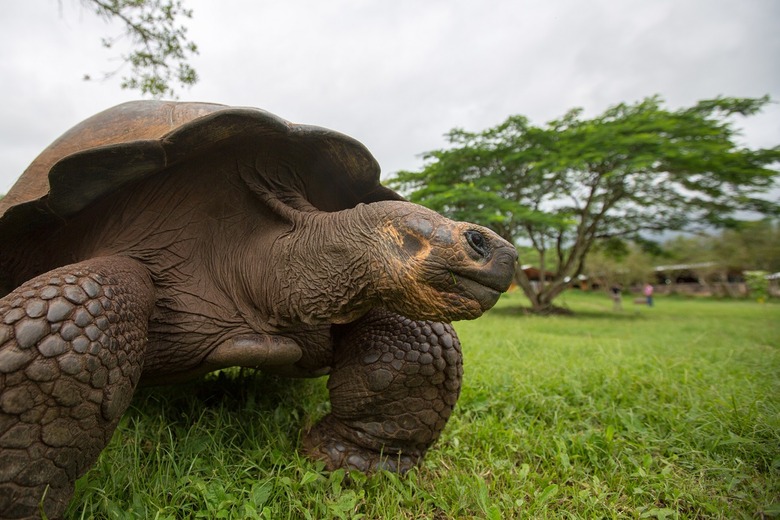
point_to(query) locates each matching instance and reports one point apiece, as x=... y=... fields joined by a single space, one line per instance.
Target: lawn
x=664 y=412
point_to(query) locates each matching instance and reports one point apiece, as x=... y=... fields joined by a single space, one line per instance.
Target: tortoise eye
x=478 y=243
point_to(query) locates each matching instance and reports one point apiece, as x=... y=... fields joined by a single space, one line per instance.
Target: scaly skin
x=393 y=387
x=255 y=243
x=71 y=353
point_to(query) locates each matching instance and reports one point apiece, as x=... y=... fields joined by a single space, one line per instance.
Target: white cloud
x=398 y=75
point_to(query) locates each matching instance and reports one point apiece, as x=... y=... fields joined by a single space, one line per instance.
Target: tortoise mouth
x=496 y=274
x=492 y=284
x=485 y=283
x=485 y=295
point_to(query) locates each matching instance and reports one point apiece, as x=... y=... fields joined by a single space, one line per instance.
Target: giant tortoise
x=158 y=241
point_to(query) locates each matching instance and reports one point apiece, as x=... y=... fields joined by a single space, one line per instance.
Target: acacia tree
x=160 y=48
x=634 y=169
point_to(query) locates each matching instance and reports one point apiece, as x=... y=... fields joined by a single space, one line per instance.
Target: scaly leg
x=394 y=384
x=71 y=351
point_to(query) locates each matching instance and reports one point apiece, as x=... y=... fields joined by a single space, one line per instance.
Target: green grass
x=664 y=412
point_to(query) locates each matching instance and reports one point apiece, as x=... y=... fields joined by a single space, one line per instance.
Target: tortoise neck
x=322 y=271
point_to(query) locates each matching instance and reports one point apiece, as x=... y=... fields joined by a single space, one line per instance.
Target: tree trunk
x=542 y=271
x=541 y=301
x=525 y=284
x=546 y=297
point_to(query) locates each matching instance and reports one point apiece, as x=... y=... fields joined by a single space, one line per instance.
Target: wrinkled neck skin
x=320 y=272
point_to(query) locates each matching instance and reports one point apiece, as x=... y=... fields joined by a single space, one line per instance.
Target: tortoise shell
x=135 y=140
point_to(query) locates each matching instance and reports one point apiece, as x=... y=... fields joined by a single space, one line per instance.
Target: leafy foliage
x=158 y=59
x=634 y=169
x=758 y=285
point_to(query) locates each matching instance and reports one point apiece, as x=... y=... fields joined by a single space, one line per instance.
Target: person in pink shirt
x=649 y=294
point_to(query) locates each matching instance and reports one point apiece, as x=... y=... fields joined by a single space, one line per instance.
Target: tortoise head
x=333 y=267
x=435 y=268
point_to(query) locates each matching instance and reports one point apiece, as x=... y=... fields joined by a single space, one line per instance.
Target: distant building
x=704 y=278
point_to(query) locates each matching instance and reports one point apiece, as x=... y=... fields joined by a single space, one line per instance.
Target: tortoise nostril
x=478 y=243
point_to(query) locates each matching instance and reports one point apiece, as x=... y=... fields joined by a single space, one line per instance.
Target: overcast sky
x=398 y=74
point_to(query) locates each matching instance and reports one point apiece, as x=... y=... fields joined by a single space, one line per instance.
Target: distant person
x=617 y=297
x=649 y=294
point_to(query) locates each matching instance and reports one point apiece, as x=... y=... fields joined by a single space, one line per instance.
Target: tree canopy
x=564 y=186
x=160 y=48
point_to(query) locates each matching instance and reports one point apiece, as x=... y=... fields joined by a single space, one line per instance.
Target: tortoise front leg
x=394 y=384
x=71 y=347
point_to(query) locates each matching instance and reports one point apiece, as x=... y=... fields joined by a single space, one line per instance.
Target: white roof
x=682 y=267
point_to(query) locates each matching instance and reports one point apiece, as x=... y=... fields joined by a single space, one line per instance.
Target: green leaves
x=160 y=51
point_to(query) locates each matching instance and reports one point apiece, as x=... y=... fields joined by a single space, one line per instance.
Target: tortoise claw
x=323 y=442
